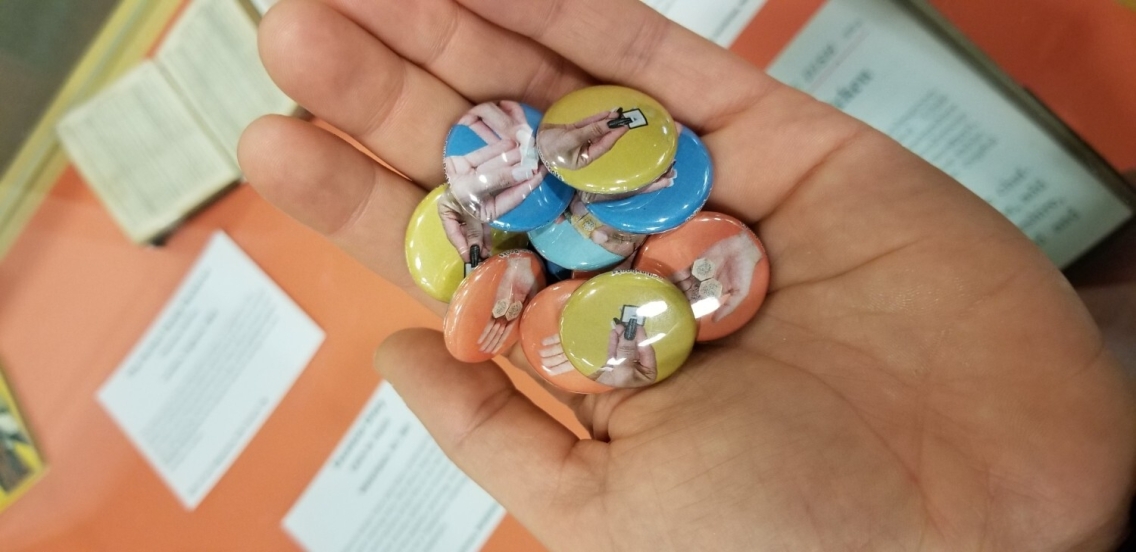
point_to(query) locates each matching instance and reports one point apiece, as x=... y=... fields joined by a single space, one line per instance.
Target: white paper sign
x=388 y=486
x=210 y=370
x=873 y=60
x=721 y=21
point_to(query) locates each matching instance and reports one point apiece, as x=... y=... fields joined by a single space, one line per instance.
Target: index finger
x=594 y=35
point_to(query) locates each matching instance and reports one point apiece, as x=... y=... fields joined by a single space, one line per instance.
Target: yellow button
x=607 y=140
x=438 y=253
x=627 y=329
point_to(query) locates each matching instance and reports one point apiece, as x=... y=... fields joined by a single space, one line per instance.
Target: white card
x=721 y=21
x=387 y=486
x=873 y=60
x=210 y=370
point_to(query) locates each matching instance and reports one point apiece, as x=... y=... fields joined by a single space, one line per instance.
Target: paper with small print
x=873 y=60
x=210 y=370
x=721 y=21
x=387 y=486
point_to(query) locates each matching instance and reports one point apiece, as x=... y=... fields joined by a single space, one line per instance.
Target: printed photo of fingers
x=577 y=145
x=614 y=241
x=723 y=274
x=517 y=287
x=471 y=237
x=631 y=357
x=493 y=165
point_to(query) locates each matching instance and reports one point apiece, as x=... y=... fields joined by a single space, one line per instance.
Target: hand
x=920 y=377
x=631 y=363
x=493 y=179
x=494 y=122
x=553 y=360
x=615 y=241
x=734 y=259
x=464 y=230
x=517 y=286
x=579 y=144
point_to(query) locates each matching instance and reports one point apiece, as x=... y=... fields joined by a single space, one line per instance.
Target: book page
x=211 y=56
x=144 y=154
x=387 y=486
x=721 y=21
x=210 y=370
x=263 y=5
x=875 y=61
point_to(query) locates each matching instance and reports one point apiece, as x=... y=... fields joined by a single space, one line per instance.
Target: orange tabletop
x=75 y=296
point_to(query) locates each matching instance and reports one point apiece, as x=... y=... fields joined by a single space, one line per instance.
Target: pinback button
x=668 y=202
x=495 y=172
x=579 y=242
x=719 y=263
x=607 y=139
x=478 y=326
x=434 y=261
x=627 y=329
x=540 y=340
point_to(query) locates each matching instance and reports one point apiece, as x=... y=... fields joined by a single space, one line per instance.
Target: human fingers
x=465 y=51
x=605 y=142
x=748 y=104
x=485 y=333
x=730 y=303
x=495 y=118
x=515 y=112
x=593 y=35
x=554 y=359
x=485 y=346
x=497 y=180
x=591 y=121
x=330 y=186
x=510 y=447
x=680 y=275
x=485 y=238
x=646 y=352
x=592 y=132
x=483 y=131
x=510 y=158
x=343 y=75
x=613 y=340
x=506 y=335
x=512 y=197
x=491 y=152
x=455 y=232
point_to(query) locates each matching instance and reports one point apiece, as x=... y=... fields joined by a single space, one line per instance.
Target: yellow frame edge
x=126 y=39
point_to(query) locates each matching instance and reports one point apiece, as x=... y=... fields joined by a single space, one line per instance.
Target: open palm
x=920 y=378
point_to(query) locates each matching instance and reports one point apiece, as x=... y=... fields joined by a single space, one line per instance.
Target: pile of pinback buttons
x=580 y=234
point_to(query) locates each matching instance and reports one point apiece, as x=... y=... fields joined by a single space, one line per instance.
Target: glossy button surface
x=627 y=329
x=719 y=264
x=437 y=253
x=540 y=340
x=668 y=202
x=607 y=139
x=486 y=310
x=578 y=241
x=495 y=172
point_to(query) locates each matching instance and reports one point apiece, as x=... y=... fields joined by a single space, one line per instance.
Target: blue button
x=578 y=241
x=561 y=244
x=494 y=170
x=687 y=188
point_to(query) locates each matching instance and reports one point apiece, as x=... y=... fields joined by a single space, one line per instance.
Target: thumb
x=508 y=445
